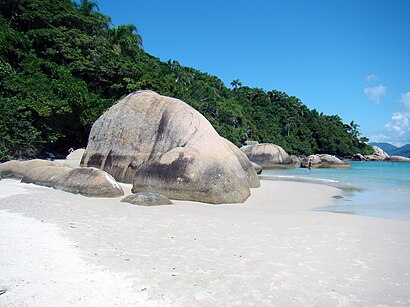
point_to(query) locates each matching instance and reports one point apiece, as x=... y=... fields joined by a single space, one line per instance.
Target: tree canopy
x=62 y=64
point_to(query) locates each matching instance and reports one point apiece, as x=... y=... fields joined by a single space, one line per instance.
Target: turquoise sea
x=378 y=189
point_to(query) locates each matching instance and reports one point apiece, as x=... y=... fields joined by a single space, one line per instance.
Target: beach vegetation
x=63 y=63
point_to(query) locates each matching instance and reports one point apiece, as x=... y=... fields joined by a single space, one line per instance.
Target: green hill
x=62 y=64
x=402 y=151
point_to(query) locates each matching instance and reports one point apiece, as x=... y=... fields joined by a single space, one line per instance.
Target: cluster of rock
x=157 y=143
x=380 y=155
x=270 y=156
x=162 y=145
x=166 y=149
x=85 y=181
x=65 y=175
x=323 y=161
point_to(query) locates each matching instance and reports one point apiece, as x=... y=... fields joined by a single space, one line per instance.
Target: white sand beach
x=60 y=249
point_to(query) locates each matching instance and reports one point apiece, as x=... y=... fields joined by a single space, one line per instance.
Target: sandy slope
x=62 y=249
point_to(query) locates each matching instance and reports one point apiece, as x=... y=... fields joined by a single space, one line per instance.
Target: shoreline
x=271 y=250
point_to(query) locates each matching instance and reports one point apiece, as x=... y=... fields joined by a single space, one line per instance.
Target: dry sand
x=60 y=249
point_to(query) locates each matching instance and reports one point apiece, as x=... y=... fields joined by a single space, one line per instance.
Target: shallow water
x=378 y=189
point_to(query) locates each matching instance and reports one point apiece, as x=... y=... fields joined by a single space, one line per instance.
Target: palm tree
x=290 y=123
x=87 y=6
x=124 y=37
x=236 y=83
x=354 y=129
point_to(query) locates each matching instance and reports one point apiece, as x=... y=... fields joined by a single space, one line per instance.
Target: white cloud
x=399 y=124
x=375 y=93
x=405 y=100
x=397 y=130
x=371 y=78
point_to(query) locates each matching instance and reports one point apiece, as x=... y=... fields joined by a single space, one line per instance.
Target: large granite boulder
x=86 y=181
x=92 y=182
x=251 y=169
x=258 y=169
x=324 y=161
x=18 y=169
x=147 y=199
x=163 y=145
x=378 y=155
x=48 y=176
x=267 y=155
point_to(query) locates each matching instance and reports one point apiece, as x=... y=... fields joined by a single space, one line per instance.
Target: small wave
x=329 y=182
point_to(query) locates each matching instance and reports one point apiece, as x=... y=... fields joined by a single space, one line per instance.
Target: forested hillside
x=62 y=64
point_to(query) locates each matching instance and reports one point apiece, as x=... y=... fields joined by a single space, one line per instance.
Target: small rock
x=147 y=199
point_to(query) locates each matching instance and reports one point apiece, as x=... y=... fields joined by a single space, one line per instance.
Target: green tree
x=62 y=64
x=236 y=83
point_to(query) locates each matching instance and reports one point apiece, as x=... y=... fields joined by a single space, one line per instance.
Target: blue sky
x=347 y=57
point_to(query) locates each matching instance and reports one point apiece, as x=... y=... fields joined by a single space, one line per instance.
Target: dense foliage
x=63 y=63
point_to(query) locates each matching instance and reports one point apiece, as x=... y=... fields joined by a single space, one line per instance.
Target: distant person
x=70 y=150
x=310 y=166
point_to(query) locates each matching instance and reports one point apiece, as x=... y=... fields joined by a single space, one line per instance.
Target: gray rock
x=76 y=155
x=258 y=169
x=378 y=155
x=324 y=161
x=147 y=199
x=296 y=160
x=249 y=167
x=267 y=155
x=18 y=169
x=358 y=157
x=163 y=145
x=72 y=160
x=48 y=176
x=92 y=182
x=86 y=181
x=397 y=159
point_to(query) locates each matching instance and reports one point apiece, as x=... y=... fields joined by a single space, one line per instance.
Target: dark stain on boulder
x=259 y=158
x=108 y=161
x=160 y=132
x=94 y=161
x=173 y=172
x=113 y=166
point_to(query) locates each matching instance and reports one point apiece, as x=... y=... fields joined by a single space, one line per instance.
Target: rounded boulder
x=147 y=199
x=92 y=182
x=18 y=169
x=48 y=176
x=268 y=155
x=163 y=145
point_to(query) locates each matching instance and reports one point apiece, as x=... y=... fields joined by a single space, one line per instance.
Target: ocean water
x=378 y=189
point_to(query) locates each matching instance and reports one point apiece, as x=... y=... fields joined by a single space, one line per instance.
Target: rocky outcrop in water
x=378 y=155
x=163 y=145
x=358 y=157
x=324 y=161
x=397 y=159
